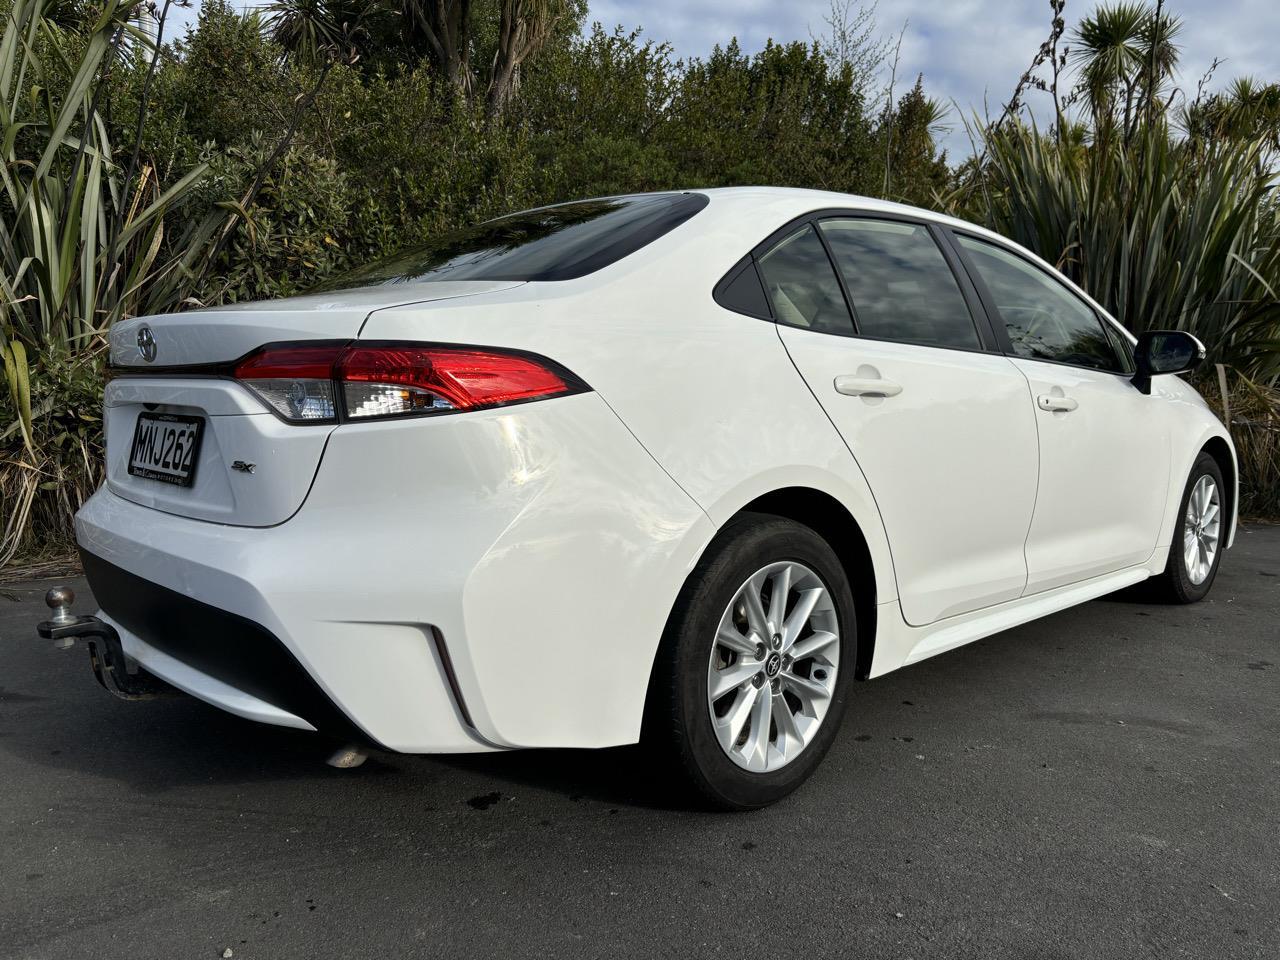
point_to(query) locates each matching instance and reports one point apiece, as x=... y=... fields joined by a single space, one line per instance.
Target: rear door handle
x=1056 y=404
x=863 y=387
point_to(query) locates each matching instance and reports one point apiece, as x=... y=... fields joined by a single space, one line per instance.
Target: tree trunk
x=447 y=26
x=522 y=30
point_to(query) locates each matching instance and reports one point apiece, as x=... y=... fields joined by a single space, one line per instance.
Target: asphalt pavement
x=1101 y=783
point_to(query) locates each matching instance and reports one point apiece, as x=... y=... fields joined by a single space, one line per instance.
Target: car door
x=1104 y=451
x=938 y=423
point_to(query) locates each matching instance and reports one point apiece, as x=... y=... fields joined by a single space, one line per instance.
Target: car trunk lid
x=233 y=461
x=222 y=334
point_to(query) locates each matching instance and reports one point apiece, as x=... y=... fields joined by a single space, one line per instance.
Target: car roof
x=805 y=200
x=743 y=207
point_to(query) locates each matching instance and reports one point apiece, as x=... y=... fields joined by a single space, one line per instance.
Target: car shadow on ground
x=53 y=714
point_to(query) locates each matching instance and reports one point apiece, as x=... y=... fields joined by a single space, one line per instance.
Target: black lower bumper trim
x=223 y=645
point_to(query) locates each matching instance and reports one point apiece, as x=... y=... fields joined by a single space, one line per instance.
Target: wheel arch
x=1218 y=448
x=831 y=520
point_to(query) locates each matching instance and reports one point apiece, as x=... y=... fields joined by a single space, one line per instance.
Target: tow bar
x=106 y=655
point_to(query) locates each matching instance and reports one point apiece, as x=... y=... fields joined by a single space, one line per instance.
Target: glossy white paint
x=236 y=428
x=546 y=542
x=534 y=538
x=1095 y=512
x=956 y=532
x=223 y=334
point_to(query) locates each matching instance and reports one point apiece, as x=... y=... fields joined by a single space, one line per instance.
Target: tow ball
x=111 y=666
x=106 y=655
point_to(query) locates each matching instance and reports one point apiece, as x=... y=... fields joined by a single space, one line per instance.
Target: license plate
x=166 y=447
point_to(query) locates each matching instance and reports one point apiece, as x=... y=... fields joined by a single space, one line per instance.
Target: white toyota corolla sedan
x=686 y=465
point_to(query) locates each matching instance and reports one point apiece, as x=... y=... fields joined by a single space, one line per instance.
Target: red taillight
x=444 y=377
x=302 y=382
x=291 y=361
x=294 y=379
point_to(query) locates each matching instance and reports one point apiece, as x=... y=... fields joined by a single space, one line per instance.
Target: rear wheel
x=756 y=663
x=1198 y=537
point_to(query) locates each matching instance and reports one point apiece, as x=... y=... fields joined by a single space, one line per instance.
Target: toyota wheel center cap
x=773 y=665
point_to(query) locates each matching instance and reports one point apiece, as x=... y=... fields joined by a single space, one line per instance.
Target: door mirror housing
x=1164 y=351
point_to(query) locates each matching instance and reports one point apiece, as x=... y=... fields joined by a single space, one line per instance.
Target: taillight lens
x=382 y=380
x=306 y=382
x=296 y=380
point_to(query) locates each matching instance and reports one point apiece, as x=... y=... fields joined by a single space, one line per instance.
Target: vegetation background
x=258 y=153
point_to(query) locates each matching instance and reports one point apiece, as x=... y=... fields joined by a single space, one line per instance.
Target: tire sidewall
x=739 y=554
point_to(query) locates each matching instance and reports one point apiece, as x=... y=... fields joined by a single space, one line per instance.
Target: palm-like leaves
x=81 y=244
x=83 y=238
x=1162 y=235
x=316 y=31
x=1125 y=53
x=1246 y=110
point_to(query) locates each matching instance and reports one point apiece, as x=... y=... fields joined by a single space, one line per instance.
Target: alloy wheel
x=773 y=665
x=1200 y=535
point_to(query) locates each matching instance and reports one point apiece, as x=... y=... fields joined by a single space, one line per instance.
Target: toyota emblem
x=146 y=343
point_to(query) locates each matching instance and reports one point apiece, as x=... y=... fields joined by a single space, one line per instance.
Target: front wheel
x=756 y=663
x=1199 y=536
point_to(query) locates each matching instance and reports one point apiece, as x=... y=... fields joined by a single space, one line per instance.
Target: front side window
x=1123 y=349
x=552 y=243
x=1045 y=320
x=802 y=286
x=900 y=284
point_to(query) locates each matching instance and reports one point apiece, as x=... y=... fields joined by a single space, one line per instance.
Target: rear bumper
x=226 y=614
x=217 y=656
x=451 y=584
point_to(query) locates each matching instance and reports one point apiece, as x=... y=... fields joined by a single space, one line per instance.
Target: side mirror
x=1164 y=351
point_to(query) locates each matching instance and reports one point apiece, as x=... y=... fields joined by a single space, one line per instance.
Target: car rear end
x=408 y=542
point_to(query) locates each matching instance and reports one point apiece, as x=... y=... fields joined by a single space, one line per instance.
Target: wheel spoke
x=778 y=597
x=789 y=735
x=730 y=727
x=809 y=691
x=733 y=676
x=756 y=749
x=800 y=615
x=755 y=606
x=811 y=644
x=728 y=636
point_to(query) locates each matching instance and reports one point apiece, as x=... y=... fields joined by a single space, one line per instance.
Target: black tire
x=1174 y=584
x=678 y=724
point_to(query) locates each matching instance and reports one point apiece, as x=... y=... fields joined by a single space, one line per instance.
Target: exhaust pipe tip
x=348 y=757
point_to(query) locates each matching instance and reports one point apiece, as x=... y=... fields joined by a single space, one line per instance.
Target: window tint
x=802 y=286
x=554 y=243
x=1045 y=320
x=743 y=293
x=1123 y=348
x=900 y=284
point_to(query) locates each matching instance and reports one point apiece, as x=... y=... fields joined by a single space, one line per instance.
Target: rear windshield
x=552 y=243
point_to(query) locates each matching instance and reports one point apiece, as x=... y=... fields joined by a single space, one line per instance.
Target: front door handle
x=1056 y=404
x=864 y=387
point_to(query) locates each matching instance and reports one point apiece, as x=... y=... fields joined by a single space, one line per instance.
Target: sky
x=970 y=51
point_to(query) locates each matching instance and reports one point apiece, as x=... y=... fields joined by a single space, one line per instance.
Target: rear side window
x=552 y=243
x=1044 y=319
x=900 y=284
x=802 y=285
